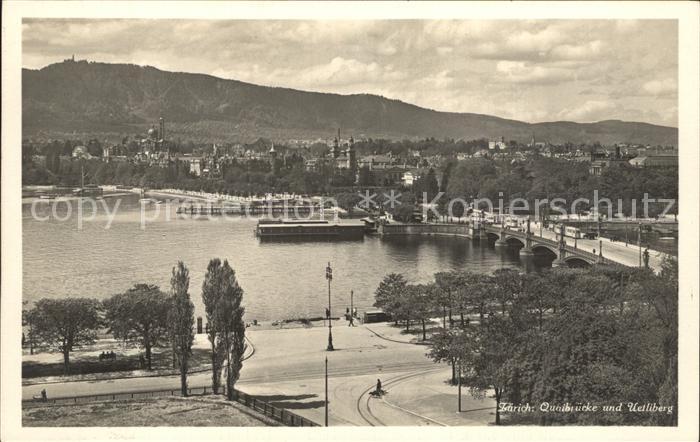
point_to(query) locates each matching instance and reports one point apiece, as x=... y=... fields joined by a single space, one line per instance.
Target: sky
x=528 y=70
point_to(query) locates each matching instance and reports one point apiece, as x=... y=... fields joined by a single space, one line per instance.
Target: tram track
x=363 y=401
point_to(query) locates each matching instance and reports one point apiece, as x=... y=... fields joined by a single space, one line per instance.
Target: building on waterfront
x=410 y=177
x=536 y=144
x=153 y=148
x=377 y=162
x=81 y=152
x=481 y=153
x=498 y=145
x=603 y=159
x=655 y=159
x=344 y=158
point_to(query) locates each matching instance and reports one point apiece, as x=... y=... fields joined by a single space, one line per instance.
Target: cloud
x=585 y=51
x=590 y=111
x=341 y=71
x=521 y=72
x=521 y=69
x=666 y=87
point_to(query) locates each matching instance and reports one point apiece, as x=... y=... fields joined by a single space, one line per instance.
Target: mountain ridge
x=104 y=98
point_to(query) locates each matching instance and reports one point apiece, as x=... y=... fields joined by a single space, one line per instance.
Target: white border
x=685 y=12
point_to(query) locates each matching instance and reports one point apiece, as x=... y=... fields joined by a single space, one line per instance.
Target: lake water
x=281 y=279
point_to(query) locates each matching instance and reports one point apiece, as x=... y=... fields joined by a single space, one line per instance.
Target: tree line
x=604 y=335
x=542 y=178
x=537 y=177
x=146 y=317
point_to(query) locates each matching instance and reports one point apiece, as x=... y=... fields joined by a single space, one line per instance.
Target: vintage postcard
x=455 y=220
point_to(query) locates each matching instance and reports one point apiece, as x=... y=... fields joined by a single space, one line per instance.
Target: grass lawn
x=152 y=412
x=80 y=363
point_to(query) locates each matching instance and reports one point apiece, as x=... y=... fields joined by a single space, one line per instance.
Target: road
x=616 y=251
x=287 y=370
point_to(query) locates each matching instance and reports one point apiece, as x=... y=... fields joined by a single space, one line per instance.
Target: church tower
x=350 y=153
x=273 y=159
x=335 y=150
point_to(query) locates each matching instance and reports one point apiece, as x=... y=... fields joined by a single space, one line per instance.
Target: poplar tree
x=181 y=320
x=230 y=326
x=222 y=296
x=212 y=289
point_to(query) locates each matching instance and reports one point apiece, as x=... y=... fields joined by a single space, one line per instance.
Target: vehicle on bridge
x=572 y=232
x=511 y=223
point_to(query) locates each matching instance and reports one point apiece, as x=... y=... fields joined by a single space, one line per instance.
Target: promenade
x=287 y=370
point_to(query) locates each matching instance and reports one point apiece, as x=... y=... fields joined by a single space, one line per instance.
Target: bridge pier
x=561 y=258
x=527 y=249
x=501 y=241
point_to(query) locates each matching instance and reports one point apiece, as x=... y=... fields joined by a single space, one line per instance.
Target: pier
x=248 y=209
x=307 y=229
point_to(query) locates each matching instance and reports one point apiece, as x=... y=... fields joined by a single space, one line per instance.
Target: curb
x=397 y=341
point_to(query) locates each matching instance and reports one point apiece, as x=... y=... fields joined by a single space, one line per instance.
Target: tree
x=181 y=320
x=420 y=300
x=480 y=294
x=388 y=295
x=364 y=176
x=493 y=345
x=211 y=293
x=451 y=346
x=230 y=327
x=28 y=320
x=449 y=284
x=66 y=323
x=348 y=201
x=508 y=286
x=536 y=296
x=403 y=213
x=139 y=316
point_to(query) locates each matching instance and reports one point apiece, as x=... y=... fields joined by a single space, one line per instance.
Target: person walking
x=379 y=387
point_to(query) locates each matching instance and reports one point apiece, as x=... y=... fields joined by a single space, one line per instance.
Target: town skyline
x=465 y=66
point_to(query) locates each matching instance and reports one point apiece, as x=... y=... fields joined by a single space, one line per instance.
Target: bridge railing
x=540 y=239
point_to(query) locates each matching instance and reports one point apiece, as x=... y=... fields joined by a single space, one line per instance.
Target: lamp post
x=326 y=420
x=459 y=386
x=352 y=311
x=329 y=277
x=639 y=242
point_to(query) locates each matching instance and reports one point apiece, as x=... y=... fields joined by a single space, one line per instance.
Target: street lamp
x=352 y=311
x=459 y=387
x=639 y=242
x=326 y=420
x=329 y=277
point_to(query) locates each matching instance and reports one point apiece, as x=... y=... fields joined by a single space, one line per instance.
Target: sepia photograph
x=214 y=217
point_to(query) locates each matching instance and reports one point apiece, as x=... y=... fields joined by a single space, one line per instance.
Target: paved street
x=287 y=370
x=616 y=251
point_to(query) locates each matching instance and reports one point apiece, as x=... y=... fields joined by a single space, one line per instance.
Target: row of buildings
x=153 y=149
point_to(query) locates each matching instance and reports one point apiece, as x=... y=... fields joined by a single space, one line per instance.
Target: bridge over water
x=567 y=251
